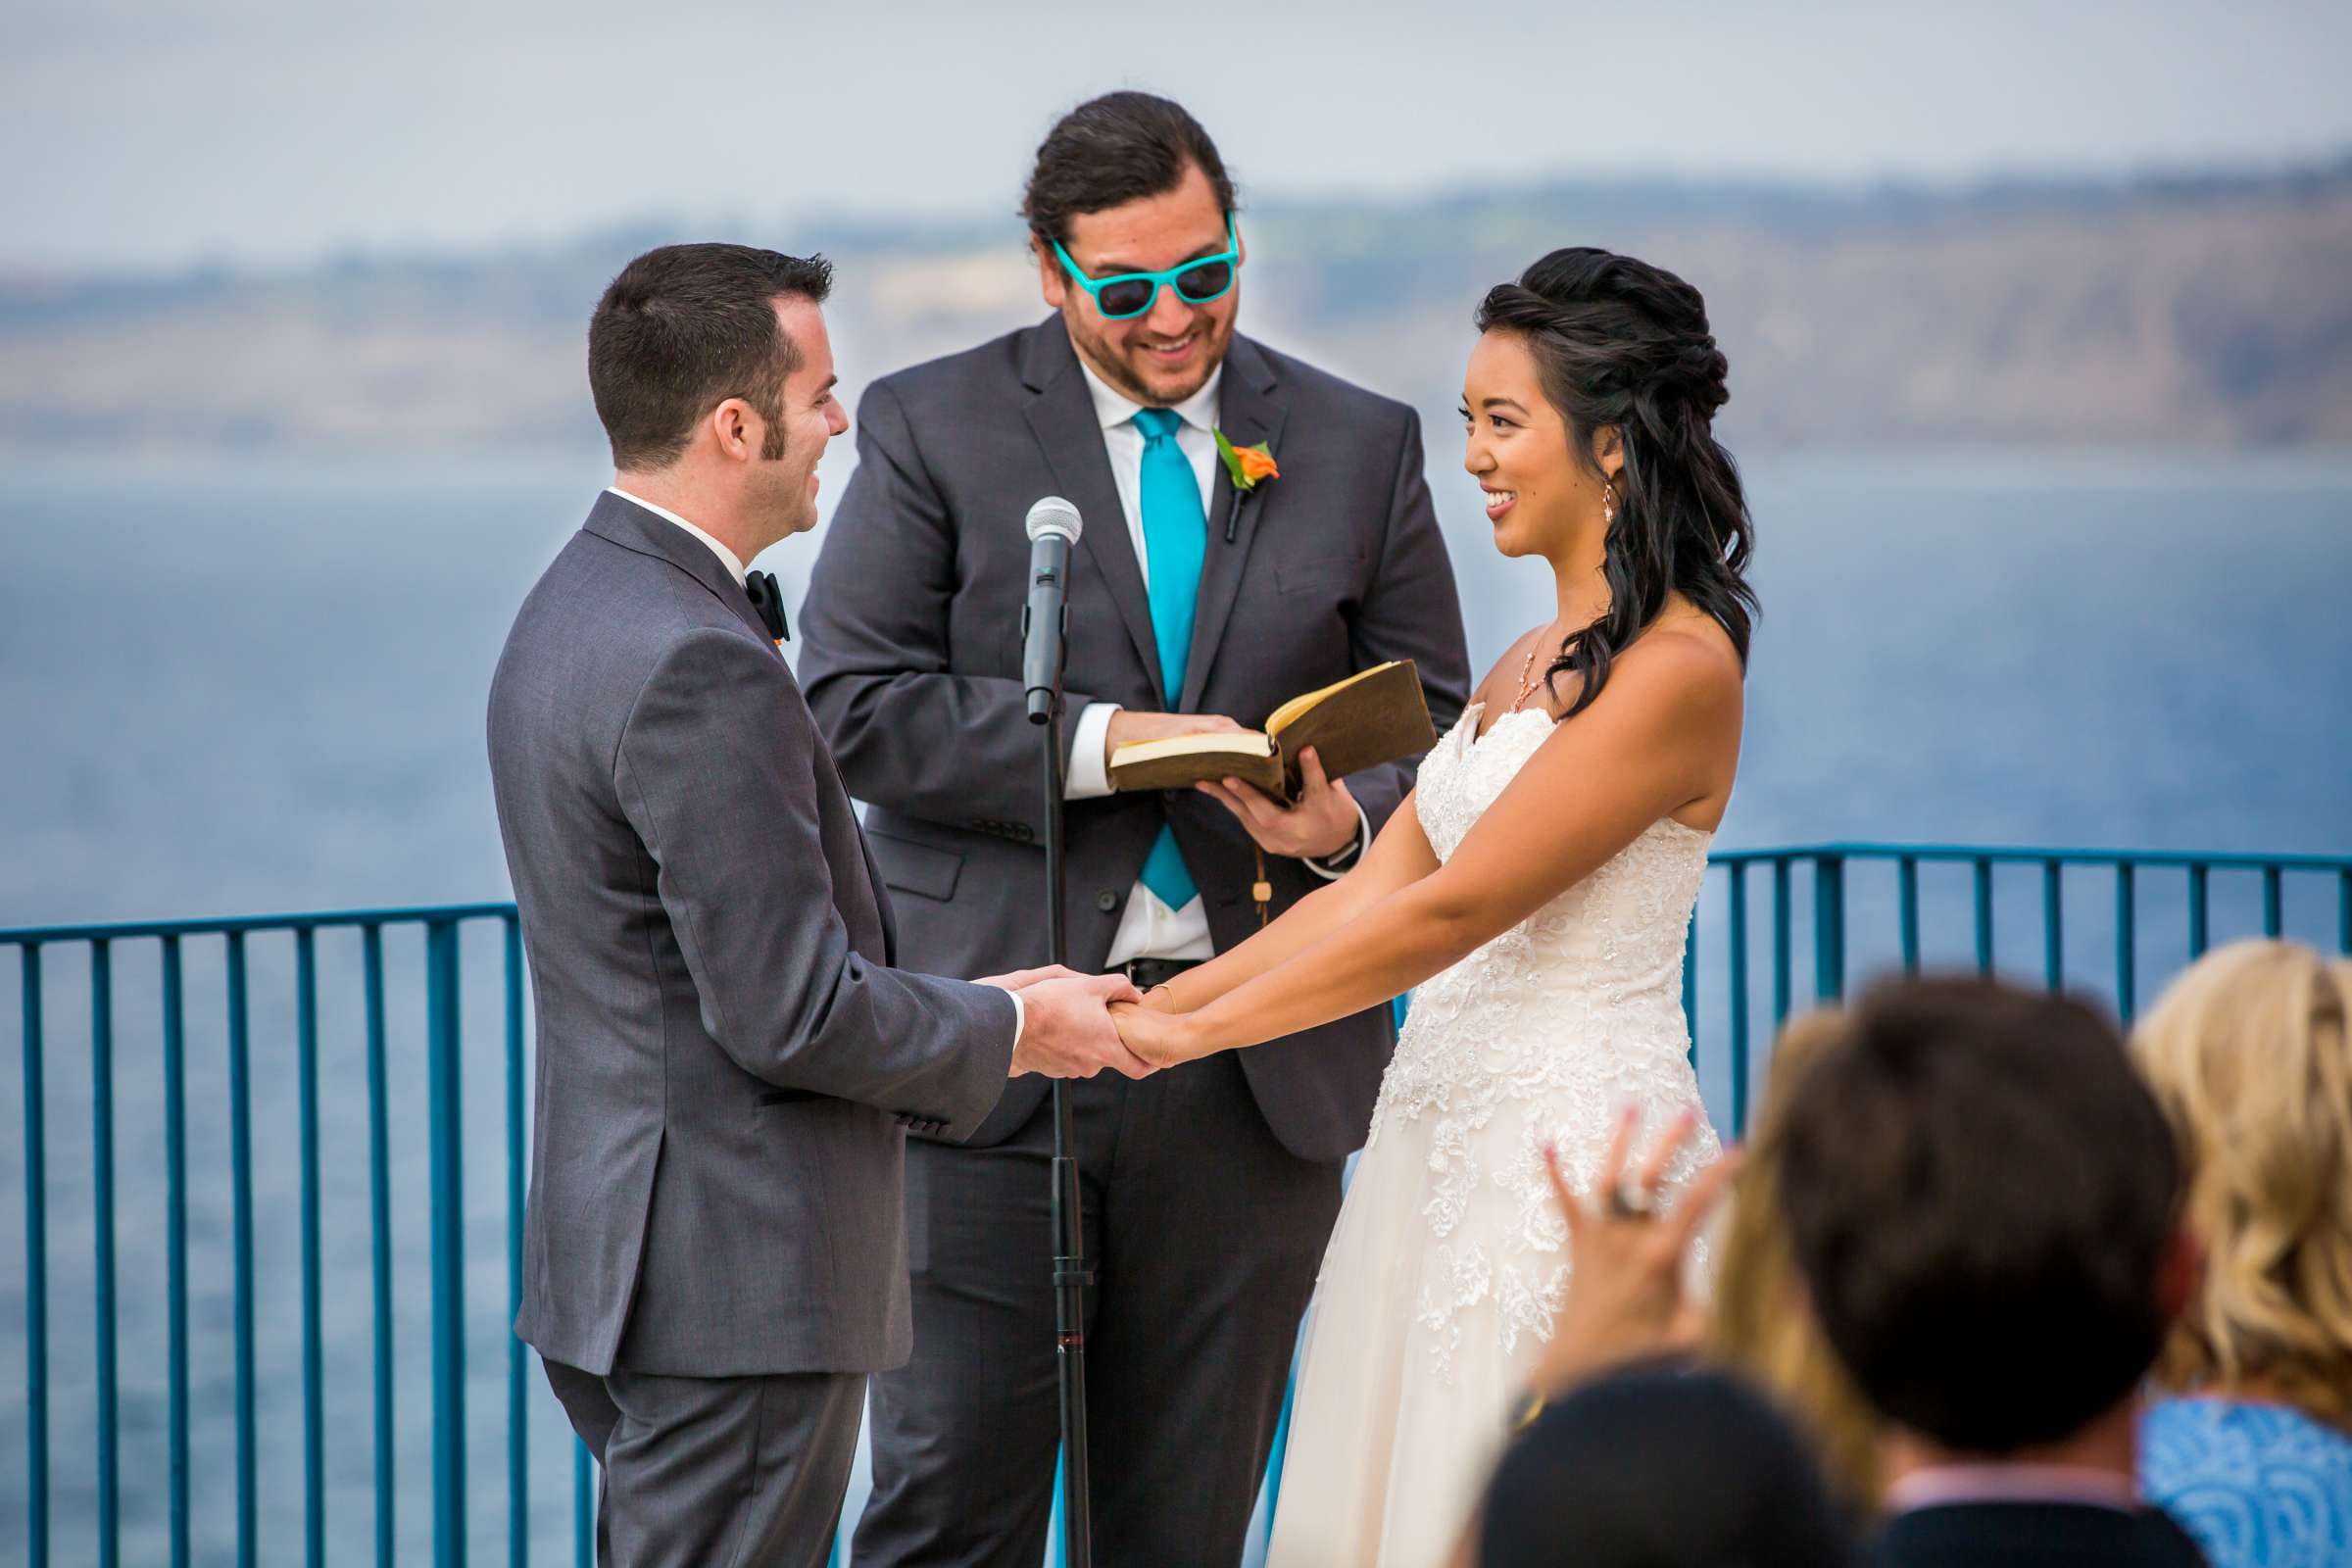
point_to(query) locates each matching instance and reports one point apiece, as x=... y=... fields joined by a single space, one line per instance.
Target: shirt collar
x=1939 y=1485
x=726 y=556
x=1115 y=407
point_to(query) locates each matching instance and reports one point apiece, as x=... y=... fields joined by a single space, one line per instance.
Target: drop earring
x=1608 y=503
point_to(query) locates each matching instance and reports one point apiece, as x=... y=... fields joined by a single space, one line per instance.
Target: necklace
x=1527 y=685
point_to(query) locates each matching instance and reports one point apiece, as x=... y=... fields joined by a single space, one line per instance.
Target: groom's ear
x=736 y=429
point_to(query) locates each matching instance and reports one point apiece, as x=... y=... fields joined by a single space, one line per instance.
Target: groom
x=714 y=1245
x=1210 y=1191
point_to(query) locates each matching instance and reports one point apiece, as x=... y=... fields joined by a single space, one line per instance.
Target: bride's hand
x=1160 y=1038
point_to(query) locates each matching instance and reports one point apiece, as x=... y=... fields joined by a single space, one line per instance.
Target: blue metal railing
x=1864 y=906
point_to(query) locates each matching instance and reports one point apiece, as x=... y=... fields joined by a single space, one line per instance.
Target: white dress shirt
x=735 y=569
x=1149 y=928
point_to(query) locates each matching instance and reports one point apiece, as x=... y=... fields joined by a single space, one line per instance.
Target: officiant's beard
x=1109 y=348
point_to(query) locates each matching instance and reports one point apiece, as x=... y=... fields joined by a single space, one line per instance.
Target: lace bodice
x=1543 y=1034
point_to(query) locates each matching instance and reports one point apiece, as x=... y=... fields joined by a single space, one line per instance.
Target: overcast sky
x=148 y=134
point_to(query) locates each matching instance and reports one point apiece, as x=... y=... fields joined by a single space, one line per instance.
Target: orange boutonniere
x=1249 y=465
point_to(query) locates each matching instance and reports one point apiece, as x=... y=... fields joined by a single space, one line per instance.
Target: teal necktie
x=1175 y=541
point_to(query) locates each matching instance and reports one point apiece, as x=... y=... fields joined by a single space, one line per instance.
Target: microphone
x=1052 y=527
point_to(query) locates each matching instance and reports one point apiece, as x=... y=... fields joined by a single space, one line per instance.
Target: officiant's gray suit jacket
x=912 y=661
x=727 y=1065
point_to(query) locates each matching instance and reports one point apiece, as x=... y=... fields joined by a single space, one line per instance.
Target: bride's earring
x=1608 y=503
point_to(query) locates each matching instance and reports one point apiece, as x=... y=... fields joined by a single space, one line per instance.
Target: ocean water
x=245 y=685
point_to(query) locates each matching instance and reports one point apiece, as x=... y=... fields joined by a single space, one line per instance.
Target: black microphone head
x=1055 y=516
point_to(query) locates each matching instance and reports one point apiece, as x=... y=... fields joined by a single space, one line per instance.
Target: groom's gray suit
x=714 y=1248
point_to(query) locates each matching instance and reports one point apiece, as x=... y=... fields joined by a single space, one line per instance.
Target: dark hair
x=1605 y=1477
x=1980 y=1194
x=685 y=327
x=1620 y=342
x=1112 y=150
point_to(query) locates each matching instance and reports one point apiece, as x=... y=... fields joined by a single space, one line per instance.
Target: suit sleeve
x=716 y=772
x=910 y=733
x=1413 y=612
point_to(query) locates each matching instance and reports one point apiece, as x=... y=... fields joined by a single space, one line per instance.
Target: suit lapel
x=1062 y=417
x=1248 y=412
x=632 y=527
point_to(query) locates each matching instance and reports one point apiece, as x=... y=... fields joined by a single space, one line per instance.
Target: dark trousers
x=1206 y=1235
x=716 y=1472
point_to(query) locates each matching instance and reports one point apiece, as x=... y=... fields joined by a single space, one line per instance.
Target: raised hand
x=1624 y=1296
x=1324 y=822
x=1066 y=1031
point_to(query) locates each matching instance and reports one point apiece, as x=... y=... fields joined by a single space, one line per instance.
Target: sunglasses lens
x=1201 y=285
x=1130 y=296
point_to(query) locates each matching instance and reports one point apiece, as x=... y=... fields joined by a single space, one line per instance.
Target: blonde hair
x=1761 y=1325
x=2248 y=1053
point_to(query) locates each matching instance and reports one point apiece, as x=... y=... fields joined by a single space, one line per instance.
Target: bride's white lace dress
x=1448 y=1263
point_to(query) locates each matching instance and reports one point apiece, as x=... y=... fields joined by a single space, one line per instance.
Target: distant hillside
x=2214 y=310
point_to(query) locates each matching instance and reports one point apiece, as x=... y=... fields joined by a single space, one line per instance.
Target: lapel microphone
x=761 y=588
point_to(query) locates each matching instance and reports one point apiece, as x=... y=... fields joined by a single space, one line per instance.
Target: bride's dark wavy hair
x=1621 y=342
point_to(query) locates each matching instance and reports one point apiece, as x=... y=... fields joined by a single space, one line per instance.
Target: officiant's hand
x=1129 y=725
x=1324 y=822
x=1066 y=1031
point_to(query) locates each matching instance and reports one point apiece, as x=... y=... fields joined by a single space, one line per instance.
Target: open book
x=1374 y=716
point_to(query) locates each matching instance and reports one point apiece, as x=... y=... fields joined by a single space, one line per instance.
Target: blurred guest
x=1659 y=1466
x=1984 y=1204
x=2248 y=1056
x=1759 y=1324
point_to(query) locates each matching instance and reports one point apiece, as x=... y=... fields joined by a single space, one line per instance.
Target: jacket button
x=1106 y=902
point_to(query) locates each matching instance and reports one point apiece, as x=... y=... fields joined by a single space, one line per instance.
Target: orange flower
x=1256 y=464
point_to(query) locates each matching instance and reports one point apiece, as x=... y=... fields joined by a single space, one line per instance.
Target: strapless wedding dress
x=1448 y=1263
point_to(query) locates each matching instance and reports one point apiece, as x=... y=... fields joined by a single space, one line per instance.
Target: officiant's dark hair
x=1984 y=1201
x=685 y=327
x=1620 y=342
x=1112 y=150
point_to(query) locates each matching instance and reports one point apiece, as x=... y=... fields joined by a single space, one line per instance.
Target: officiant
x=1255 y=528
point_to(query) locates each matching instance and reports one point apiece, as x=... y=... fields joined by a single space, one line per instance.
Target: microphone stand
x=1071 y=1276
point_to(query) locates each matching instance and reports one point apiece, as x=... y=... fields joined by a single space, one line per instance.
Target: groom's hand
x=1066 y=1030
x=1325 y=821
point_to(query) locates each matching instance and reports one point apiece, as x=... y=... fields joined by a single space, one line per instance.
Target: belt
x=1150 y=972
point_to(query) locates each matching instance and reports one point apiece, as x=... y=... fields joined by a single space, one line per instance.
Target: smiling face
x=1169 y=353
x=780 y=488
x=1540 y=499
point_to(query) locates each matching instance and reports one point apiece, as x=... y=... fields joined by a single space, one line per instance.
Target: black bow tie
x=761 y=588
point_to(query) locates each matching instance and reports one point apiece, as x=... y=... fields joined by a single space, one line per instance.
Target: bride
x=1537 y=893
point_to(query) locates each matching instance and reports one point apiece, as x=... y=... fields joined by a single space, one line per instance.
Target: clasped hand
x=1066 y=1029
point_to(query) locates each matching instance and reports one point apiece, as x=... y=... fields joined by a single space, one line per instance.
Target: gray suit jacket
x=727 y=1067
x=911 y=654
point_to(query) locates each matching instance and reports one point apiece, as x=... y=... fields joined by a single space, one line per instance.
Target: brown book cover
x=1374 y=716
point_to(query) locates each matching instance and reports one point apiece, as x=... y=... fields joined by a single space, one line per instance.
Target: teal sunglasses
x=1126 y=295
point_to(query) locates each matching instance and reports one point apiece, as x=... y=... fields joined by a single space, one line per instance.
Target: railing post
x=176 y=1244
x=518 y=1485
x=2271 y=904
x=2053 y=928
x=379 y=1219
x=445 y=1141
x=1829 y=927
x=1781 y=942
x=1738 y=934
x=314 y=1394
x=36 y=1270
x=1690 y=987
x=1983 y=911
x=240 y=1169
x=102 y=1203
x=2198 y=921
x=1906 y=895
x=2126 y=953
x=583 y=1506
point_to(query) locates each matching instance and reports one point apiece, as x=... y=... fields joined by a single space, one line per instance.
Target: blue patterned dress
x=2260 y=1485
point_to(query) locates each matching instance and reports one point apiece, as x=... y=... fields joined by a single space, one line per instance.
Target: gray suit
x=728 y=1066
x=1210 y=1190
